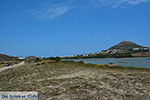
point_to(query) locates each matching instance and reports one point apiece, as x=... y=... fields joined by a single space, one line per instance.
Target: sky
x=69 y=27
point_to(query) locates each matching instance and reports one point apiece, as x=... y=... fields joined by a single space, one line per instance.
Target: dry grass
x=2 y=63
x=78 y=81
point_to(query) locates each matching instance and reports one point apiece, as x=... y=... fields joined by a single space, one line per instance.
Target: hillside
x=122 y=49
x=6 y=57
x=126 y=45
x=77 y=81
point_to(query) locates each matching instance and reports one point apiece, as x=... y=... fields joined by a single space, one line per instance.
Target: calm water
x=143 y=62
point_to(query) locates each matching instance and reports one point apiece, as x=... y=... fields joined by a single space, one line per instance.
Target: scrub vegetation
x=68 y=80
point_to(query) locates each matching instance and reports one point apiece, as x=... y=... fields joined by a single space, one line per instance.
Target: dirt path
x=5 y=68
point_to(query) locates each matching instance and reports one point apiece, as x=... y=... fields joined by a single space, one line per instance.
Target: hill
x=6 y=57
x=126 y=45
x=77 y=81
x=122 y=49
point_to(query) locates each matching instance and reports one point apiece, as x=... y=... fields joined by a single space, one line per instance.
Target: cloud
x=118 y=3
x=50 y=12
x=134 y=2
x=52 y=9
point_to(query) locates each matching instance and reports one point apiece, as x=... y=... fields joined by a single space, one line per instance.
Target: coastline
x=137 y=62
x=102 y=57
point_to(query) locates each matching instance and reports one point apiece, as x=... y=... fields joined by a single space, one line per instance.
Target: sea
x=138 y=62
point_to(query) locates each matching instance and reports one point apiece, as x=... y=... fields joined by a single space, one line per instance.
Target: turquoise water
x=142 y=62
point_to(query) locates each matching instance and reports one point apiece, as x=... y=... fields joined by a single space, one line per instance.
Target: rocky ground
x=78 y=81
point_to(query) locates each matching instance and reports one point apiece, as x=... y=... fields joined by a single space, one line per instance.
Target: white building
x=135 y=49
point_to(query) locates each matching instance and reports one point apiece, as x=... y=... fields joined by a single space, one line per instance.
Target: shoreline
x=104 y=57
x=136 y=62
x=108 y=65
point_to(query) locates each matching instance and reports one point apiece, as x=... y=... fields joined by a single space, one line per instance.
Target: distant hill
x=30 y=58
x=7 y=58
x=126 y=45
x=122 y=49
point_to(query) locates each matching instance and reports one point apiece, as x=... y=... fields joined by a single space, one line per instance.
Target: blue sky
x=68 y=27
